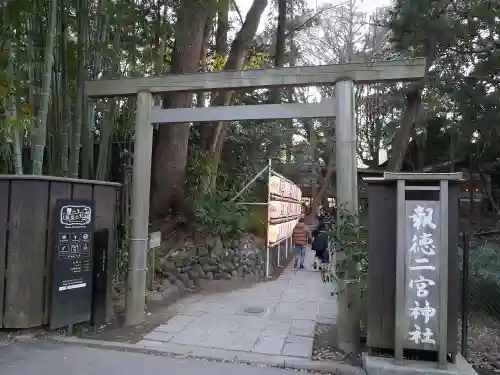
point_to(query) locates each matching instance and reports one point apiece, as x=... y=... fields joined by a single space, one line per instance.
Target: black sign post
x=100 y=279
x=72 y=263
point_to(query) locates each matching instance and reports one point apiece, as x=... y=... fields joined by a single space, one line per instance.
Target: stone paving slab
x=176 y=324
x=292 y=305
x=269 y=345
x=303 y=328
x=297 y=346
x=158 y=336
x=277 y=329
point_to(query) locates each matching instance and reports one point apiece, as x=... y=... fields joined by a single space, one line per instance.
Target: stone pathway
x=289 y=309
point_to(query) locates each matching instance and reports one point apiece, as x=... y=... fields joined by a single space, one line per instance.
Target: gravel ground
x=483 y=346
x=483 y=349
x=325 y=346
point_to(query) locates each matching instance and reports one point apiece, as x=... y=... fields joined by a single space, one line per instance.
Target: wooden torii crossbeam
x=343 y=76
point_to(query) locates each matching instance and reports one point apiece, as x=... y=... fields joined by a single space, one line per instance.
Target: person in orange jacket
x=300 y=238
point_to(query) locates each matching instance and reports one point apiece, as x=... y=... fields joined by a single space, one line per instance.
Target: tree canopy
x=48 y=50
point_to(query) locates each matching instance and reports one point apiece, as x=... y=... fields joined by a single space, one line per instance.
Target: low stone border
x=220 y=355
x=387 y=366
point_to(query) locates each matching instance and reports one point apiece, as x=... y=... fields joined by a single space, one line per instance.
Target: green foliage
x=214 y=62
x=461 y=38
x=199 y=165
x=484 y=263
x=348 y=241
x=215 y=215
x=484 y=277
x=413 y=21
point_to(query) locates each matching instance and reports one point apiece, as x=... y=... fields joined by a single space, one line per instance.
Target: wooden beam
x=362 y=72
x=244 y=112
x=457 y=176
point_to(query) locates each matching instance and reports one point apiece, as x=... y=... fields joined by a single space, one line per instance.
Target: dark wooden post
x=420 y=236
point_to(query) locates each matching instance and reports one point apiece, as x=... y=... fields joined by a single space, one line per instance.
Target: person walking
x=300 y=238
x=320 y=244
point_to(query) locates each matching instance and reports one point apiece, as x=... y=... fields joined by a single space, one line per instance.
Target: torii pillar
x=345 y=148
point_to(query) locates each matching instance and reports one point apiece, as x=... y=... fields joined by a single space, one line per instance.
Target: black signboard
x=72 y=262
x=100 y=280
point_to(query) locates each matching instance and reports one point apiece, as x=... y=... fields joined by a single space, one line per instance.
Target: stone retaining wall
x=214 y=259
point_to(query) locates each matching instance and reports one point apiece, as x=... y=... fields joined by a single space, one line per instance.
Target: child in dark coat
x=320 y=243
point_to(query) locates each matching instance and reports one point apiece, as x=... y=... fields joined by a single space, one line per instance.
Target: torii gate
x=343 y=76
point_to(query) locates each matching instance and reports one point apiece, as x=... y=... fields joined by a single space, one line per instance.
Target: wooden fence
x=27 y=244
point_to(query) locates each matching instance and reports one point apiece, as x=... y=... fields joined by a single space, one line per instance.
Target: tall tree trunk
x=404 y=132
x=19 y=136
x=100 y=38
x=107 y=124
x=13 y=96
x=53 y=122
x=487 y=190
x=171 y=146
x=80 y=79
x=279 y=58
x=414 y=99
x=106 y=129
x=222 y=28
x=162 y=46
x=33 y=63
x=65 y=100
x=290 y=93
x=318 y=197
x=279 y=61
x=221 y=47
x=315 y=168
x=201 y=96
x=239 y=51
x=41 y=120
x=472 y=170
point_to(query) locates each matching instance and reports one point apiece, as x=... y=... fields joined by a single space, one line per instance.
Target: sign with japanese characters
x=279 y=210
x=284 y=208
x=422 y=244
x=71 y=297
x=281 y=188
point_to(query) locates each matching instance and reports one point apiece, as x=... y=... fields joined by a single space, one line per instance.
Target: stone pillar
x=346 y=156
x=348 y=321
x=141 y=176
